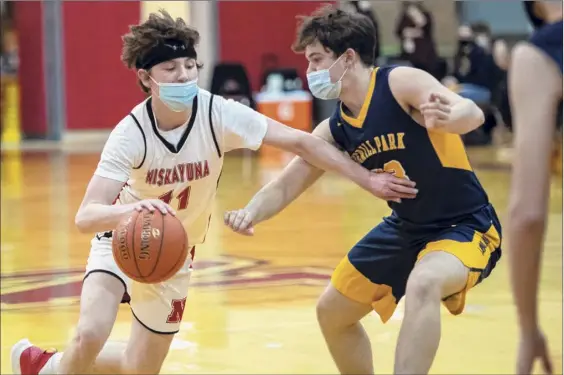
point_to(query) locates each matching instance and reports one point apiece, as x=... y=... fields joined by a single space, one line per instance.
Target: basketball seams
x=162 y=228
x=180 y=259
x=133 y=243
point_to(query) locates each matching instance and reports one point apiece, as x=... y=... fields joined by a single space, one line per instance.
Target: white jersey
x=182 y=166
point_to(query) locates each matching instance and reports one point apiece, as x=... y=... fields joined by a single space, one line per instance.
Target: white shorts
x=158 y=307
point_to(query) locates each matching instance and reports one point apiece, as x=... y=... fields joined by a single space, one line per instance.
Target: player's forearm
x=465 y=116
x=96 y=217
x=323 y=155
x=525 y=240
x=267 y=202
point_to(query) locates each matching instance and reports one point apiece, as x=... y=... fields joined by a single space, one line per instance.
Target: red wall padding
x=249 y=29
x=100 y=90
x=29 y=26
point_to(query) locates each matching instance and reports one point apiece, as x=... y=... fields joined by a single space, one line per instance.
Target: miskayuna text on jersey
x=180 y=173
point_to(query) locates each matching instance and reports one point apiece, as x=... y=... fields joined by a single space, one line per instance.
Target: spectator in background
x=476 y=76
x=500 y=52
x=365 y=8
x=496 y=47
x=415 y=32
x=474 y=73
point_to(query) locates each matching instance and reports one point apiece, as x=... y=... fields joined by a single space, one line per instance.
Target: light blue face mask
x=320 y=84
x=178 y=96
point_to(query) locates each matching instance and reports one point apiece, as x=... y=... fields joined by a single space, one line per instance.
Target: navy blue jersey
x=385 y=137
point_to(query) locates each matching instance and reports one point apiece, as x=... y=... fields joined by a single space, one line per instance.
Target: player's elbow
x=299 y=143
x=475 y=117
x=469 y=118
x=81 y=221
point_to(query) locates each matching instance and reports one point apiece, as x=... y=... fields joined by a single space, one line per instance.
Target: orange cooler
x=292 y=108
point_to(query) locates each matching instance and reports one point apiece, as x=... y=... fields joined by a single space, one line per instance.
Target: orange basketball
x=150 y=247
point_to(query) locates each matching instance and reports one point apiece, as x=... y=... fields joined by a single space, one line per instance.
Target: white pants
x=158 y=307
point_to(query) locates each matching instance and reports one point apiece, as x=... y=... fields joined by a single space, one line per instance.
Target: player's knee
x=336 y=312
x=89 y=339
x=323 y=311
x=423 y=285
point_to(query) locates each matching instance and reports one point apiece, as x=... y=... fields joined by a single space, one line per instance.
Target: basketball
x=150 y=247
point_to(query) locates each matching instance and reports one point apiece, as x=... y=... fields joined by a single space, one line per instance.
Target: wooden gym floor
x=251 y=307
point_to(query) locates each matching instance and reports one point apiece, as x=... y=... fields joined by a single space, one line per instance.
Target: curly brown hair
x=337 y=30
x=158 y=28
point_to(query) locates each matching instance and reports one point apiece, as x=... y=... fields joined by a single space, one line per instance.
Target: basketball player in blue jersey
x=434 y=246
x=535 y=89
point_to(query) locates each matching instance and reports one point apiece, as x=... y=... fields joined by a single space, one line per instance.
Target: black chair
x=231 y=81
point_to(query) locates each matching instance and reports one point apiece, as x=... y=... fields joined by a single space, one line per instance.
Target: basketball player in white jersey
x=166 y=155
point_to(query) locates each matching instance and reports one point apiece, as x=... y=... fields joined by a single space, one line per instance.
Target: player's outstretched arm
x=439 y=109
x=535 y=87
x=323 y=155
x=296 y=178
x=300 y=175
x=243 y=127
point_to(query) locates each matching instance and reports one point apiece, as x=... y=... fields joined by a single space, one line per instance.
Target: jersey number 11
x=183 y=197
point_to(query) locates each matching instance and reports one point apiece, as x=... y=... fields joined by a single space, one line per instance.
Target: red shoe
x=28 y=359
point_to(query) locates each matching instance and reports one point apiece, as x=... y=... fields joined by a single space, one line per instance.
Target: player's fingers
x=404 y=191
x=248 y=232
x=147 y=205
x=170 y=210
x=443 y=99
x=436 y=113
x=247 y=222
x=434 y=106
x=546 y=362
x=402 y=181
x=436 y=97
x=239 y=220
x=226 y=215
x=232 y=218
x=389 y=195
x=161 y=206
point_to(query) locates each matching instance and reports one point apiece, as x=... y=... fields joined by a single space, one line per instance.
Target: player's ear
x=350 y=55
x=143 y=76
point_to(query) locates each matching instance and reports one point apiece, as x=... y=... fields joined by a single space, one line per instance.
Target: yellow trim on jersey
x=354 y=285
x=474 y=255
x=450 y=150
x=357 y=122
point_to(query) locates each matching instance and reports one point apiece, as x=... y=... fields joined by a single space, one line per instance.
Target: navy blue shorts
x=376 y=269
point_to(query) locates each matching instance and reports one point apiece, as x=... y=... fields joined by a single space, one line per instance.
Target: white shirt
x=181 y=166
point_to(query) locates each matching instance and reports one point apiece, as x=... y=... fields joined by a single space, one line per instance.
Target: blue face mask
x=178 y=96
x=320 y=84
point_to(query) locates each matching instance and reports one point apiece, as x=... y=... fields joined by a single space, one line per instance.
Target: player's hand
x=391 y=188
x=240 y=221
x=533 y=348
x=436 y=112
x=154 y=205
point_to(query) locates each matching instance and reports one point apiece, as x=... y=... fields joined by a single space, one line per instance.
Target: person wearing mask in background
x=365 y=8
x=475 y=76
x=415 y=32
